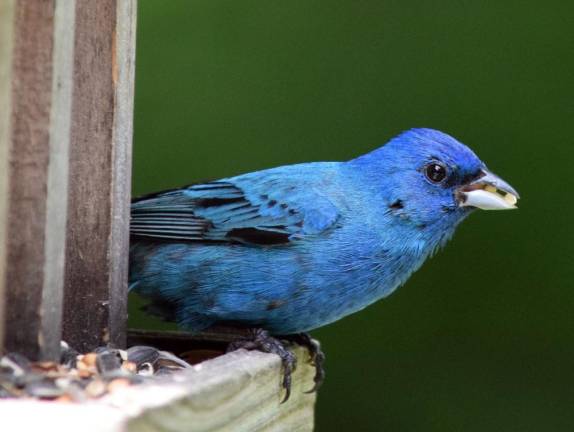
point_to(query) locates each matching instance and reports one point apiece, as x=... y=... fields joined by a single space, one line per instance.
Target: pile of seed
x=79 y=377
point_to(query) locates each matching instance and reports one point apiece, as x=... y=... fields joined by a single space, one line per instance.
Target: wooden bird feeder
x=66 y=111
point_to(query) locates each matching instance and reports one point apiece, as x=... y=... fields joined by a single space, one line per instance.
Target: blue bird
x=293 y=248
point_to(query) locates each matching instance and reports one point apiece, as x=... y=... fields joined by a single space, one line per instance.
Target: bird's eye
x=435 y=172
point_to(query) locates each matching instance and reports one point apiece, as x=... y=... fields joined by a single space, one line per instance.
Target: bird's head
x=427 y=177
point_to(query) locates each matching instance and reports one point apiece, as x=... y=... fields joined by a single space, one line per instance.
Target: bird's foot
x=316 y=356
x=261 y=340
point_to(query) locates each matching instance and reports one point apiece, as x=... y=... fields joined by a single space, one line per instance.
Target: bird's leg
x=261 y=340
x=316 y=356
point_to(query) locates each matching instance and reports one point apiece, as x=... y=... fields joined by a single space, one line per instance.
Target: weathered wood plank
x=37 y=148
x=237 y=392
x=57 y=204
x=6 y=30
x=100 y=171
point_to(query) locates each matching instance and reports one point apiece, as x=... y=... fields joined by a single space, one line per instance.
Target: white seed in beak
x=486 y=200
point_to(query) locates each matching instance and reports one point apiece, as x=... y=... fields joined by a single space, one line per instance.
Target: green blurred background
x=482 y=337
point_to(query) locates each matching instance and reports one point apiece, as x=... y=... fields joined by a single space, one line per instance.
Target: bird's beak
x=487 y=192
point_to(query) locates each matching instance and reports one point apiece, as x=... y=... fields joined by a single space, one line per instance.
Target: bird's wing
x=246 y=209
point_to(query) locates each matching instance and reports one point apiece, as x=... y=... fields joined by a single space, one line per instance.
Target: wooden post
x=66 y=103
x=95 y=303
x=35 y=95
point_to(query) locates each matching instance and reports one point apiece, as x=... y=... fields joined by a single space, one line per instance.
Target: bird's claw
x=316 y=357
x=261 y=340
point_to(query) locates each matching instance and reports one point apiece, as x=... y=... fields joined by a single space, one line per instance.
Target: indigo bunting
x=293 y=248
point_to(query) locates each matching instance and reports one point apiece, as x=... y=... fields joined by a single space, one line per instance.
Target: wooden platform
x=239 y=391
